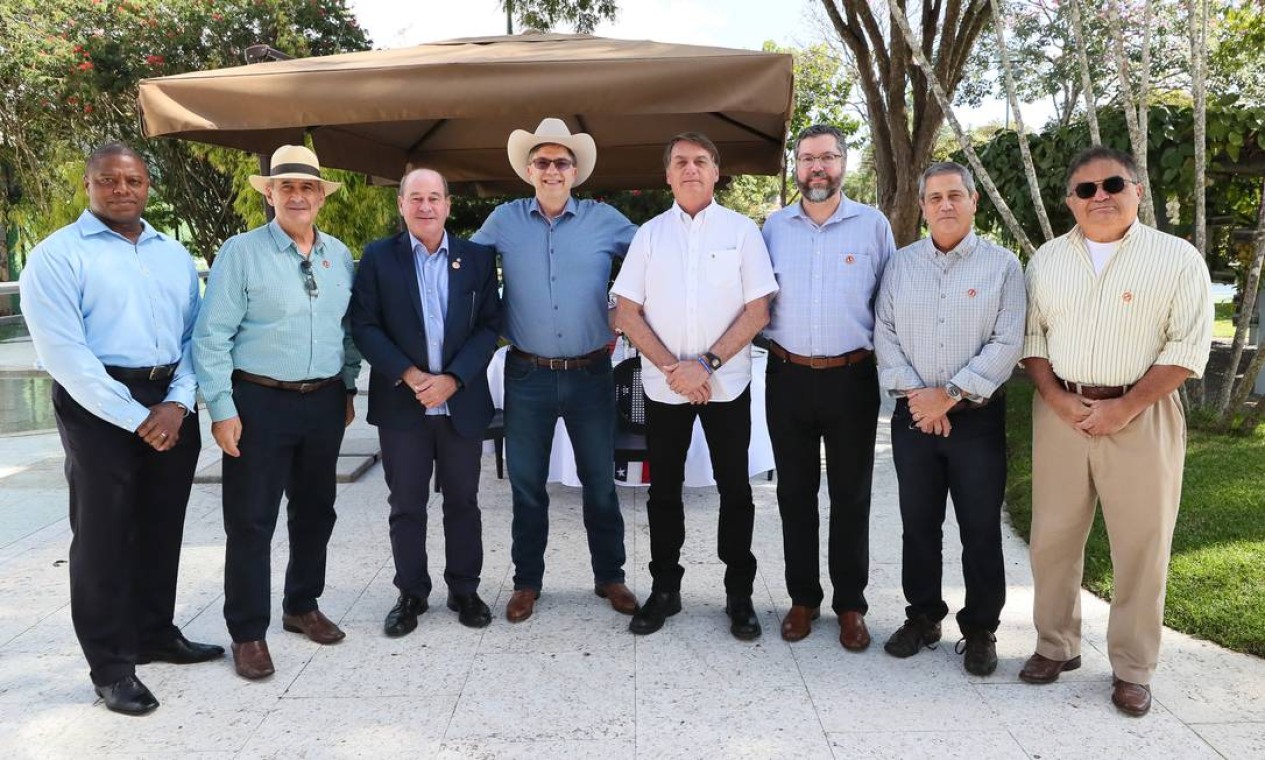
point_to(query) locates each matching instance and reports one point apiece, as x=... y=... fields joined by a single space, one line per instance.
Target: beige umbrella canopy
x=452 y=105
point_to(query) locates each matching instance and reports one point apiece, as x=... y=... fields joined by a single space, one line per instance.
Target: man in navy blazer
x=425 y=314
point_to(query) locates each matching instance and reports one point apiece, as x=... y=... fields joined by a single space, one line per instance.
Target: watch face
x=713 y=360
x=953 y=392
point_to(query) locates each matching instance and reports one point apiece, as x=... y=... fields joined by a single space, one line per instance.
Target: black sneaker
x=980 y=646
x=911 y=637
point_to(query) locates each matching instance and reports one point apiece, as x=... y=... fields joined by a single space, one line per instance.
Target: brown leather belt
x=161 y=372
x=300 y=386
x=820 y=362
x=1095 y=392
x=566 y=362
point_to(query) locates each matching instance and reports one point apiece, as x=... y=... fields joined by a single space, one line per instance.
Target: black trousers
x=289 y=445
x=970 y=466
x=727 y=427
x=407 y=460
x=806 y=407
x=127 y=508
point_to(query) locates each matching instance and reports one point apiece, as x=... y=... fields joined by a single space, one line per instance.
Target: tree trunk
x=1029 y=170
x=1137 y=137
x=1247 y=305
x=963 y=140
x=1198 y=70
x=1082 y=54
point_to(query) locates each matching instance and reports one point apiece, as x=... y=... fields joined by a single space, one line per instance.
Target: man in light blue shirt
x=822 y=387
x=278 y=371
x=556 y=253
x=110 y=304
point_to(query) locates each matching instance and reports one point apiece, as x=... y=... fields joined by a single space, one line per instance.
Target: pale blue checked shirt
x=557 y=272
x=258 y=316
x=432 y=284
x=828 y=277
x=92 y=299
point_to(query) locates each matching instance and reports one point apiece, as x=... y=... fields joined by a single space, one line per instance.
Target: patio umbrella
x=452 y=105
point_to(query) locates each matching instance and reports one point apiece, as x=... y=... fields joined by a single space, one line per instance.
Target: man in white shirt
x=693 y=292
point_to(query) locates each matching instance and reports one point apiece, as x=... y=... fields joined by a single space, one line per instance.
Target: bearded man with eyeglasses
x=278 y=371
x=1119 y=316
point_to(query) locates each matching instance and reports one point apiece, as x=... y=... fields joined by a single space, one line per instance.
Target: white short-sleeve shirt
x=693 y=276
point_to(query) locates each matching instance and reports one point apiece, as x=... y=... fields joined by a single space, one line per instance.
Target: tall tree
x=581 y=15
x=904 y=116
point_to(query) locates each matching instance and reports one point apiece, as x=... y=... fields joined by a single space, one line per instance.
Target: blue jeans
x=585 y=400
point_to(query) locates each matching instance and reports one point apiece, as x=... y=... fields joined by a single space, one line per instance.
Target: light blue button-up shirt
x=258 y=316
x=557 y=272
x=828 y=277
x=92 y=298
x=432 y=283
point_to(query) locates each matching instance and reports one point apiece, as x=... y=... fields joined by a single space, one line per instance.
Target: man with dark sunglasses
x=278 y=372
x=556 y=254
x=1119 y=316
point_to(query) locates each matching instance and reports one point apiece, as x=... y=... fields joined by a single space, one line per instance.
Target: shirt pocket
x=722 y=267
x=855 y=271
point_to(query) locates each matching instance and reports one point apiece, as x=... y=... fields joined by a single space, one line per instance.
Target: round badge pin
x=325 y=263
x=970 y=293
x=456 y=264
x=1128 y=296
x=849 y=259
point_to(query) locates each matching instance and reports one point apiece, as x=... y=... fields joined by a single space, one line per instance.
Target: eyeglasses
x=825 y=159
x=309 y=281
x=542 y=164
x=1111 y=185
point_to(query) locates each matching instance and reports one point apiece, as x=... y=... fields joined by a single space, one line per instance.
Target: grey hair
x=946 y=167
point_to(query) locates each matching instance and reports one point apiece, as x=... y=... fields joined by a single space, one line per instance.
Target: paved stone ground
x=572 y=682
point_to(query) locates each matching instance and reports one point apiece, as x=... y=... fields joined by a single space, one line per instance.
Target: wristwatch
x=712 y=360
x=953 y=392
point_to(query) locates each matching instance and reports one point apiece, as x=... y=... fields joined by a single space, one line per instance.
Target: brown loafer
x=521 y=604
x=251 y=659
x=1131 y=698
x=798 y=622
x=619 y=595
x=853 y=634
x=315 y=626
x=1039 y=669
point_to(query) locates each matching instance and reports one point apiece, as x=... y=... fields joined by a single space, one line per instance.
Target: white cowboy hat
x=293 y=162
x=552 y=131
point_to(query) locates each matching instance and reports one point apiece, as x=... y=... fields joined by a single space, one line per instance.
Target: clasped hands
x=929 y=408
x=688 y=378
x=1093 y=418
x=429 y=390
x=161 y=428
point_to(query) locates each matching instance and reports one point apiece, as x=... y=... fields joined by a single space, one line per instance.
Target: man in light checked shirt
x=949 y=329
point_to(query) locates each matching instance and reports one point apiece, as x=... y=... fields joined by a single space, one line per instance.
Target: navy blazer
x=387 y=326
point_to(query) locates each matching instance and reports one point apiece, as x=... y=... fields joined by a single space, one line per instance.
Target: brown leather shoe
x=1130 y=698
x=853 y=634
x=521 y=604
x=1039 y=669
x=619 y=595
x=315 y=626
x=251 y=659
x=798 y=622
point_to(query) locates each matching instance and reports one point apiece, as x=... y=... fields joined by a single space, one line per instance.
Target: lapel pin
x=849 y=259
x=456 y=263
x=1128 y=296
x=970 y=293
x=325 y=263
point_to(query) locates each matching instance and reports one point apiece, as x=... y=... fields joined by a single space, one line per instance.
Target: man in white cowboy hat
x=556 y=253
x=278 y=371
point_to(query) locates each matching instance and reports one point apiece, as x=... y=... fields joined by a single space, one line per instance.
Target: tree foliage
x=581 y=15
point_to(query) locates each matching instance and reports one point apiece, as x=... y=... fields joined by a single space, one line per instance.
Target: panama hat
x=293 y=162
x=552 y=131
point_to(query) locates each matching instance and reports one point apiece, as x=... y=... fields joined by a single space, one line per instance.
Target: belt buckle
x=557 y=364
x=818 y=362
x=153 y=373
x=306 y=387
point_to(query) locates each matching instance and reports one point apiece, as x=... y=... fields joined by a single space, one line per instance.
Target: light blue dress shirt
x=92 y=298
x=258 y=316
x=557 y=272
x=828 y=277
x=432 y=284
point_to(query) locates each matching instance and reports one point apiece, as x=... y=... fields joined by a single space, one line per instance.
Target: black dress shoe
x=402 y=618
x=660 y=606
x=470 y=609
x=127 y=696
x=180 y=651
x=743 y=623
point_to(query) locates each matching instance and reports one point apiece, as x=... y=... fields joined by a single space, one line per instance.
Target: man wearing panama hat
x=278 y=370
x=556 y=253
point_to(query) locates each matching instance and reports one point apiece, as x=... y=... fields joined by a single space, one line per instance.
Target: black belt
x=566 y=362
x=160 y=372
x=299 y=386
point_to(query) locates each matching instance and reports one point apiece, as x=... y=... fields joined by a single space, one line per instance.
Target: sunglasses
x=1111 y=185
x=542 y=164
x=309 y=281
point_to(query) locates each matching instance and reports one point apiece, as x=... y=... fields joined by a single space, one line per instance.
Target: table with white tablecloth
x=698 y=466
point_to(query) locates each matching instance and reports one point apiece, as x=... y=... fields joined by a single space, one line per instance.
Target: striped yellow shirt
x=1151 y=304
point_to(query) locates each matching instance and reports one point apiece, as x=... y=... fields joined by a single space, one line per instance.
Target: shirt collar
x=415 y=244
x=1078 y=234
x=284 y=242
x=846 y=208
x=89 y=224
x=964 y=248
x=534 y=207
x=688 y=220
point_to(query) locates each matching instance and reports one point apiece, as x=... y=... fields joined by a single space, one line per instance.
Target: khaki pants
x=1136 y=475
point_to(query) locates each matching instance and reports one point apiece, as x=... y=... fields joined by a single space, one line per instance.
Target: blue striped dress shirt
x=432 y=284
x=828 y=277
x=258 y=316
x=557 y=272
x=92 y=298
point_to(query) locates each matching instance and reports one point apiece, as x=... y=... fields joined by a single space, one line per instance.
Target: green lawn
x=1223 y=326
x=1216 y=585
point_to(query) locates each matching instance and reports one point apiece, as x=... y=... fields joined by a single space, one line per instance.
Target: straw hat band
x=295 y=169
